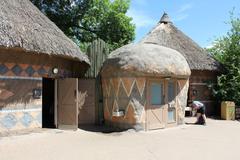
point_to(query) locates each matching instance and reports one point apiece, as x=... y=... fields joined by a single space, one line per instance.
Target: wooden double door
x=75 y=103
x=161 y=106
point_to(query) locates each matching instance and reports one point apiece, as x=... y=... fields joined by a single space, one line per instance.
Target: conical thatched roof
x=166 y=34
x=147 y=59
x=165 y=18
x=23 y=26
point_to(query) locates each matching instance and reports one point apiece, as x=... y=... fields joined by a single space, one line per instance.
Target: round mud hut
x=38 y=68
x=204 y=68
x=144 y=87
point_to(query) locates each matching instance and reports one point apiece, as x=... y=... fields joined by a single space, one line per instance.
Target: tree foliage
x=227 y=51
x=86 y=20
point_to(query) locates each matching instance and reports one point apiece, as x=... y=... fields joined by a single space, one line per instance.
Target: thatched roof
x=165 y=18
x=23 y=26
x=166 y=34
x=147 y=59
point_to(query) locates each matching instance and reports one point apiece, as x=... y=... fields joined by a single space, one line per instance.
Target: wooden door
x=67 y=103
x=156 y=108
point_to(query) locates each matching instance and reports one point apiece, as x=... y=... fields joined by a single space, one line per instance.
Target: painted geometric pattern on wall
x=19 y=120
x=26 y=70
x=126 y=94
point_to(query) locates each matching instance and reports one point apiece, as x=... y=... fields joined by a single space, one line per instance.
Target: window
x=171 y=103
x=156 y=93
x=171 y=91
x=171 y=115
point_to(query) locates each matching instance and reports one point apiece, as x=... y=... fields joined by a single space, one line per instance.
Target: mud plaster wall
x=199 y=90
x=87 y=101
x=126 y=94
x=15 y=63
x=20 y=104
x=182 y=94
x=20 y=74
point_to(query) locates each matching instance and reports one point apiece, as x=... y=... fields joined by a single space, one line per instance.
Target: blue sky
x=202 y=20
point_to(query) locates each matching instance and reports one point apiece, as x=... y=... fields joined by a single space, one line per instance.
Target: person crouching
x=200 y=108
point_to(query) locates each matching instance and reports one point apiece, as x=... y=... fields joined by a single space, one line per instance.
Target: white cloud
x=180 y=17
x=181 y=12
x=184 y=8
x=140 y=19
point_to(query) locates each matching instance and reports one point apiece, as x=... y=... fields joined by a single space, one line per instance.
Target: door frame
x=149 y=106
x=171 y=124
x=56 y=102
x=56 y=118
x=165 y=98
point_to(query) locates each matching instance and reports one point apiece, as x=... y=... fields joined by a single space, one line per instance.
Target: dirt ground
x=218 y=140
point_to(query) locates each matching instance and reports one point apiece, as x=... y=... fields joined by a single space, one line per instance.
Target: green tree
x=86 y=20
x=227 y=51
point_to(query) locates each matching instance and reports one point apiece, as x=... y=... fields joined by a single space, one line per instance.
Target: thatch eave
x=23 y=26
x=23 y=52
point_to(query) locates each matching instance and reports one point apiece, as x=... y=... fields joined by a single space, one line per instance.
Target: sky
x=202 y=20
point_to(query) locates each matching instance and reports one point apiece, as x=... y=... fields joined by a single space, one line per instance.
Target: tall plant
x=227 y=51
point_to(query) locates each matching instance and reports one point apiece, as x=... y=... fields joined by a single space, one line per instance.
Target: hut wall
x=128 y=94
x=87 y=113
x=182 y=94
x=198 y=89
x=15 y=63
x=20 y=104
x=20 y=77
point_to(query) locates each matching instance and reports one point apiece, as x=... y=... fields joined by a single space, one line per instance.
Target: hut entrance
x=67 y=99
x=60 y=99
x=48 y=103
x=156 y=105
x=161 y=109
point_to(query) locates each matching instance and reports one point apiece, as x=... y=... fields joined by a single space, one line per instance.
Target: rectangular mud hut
x=144 y=87
x=39 y=70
